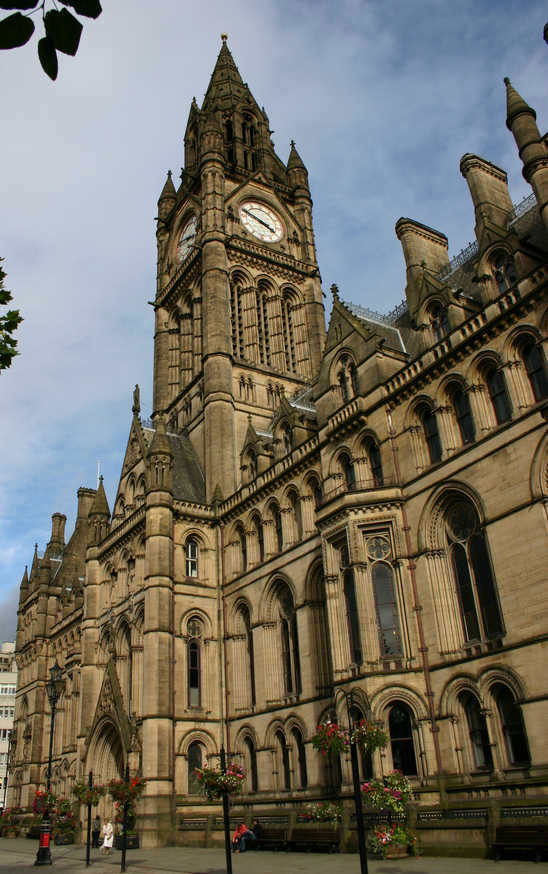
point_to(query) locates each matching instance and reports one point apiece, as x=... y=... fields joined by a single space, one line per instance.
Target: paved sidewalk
x=17 y=857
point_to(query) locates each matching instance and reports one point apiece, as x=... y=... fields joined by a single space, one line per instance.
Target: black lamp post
x=54 y=690
x=11 y=745
x=226 y=818
x=349 y=700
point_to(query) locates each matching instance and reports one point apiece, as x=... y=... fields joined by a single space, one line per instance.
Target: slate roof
x=188 y=478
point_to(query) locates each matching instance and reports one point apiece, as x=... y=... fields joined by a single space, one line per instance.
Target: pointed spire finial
x=335 y=291
x=136 y=408
x=515 y=104
x=36 y=549
x=224 y=37
x=292 y=144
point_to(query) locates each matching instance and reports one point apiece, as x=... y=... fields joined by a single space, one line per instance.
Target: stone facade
x=363 y=508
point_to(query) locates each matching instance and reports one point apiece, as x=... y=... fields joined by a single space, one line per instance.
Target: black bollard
x=124 y=823
x=226 y=818
x=88 y=842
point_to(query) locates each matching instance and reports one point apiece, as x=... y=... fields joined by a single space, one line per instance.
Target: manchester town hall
x=310 y=508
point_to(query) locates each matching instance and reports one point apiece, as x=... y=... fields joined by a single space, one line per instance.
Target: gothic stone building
x=363 y=507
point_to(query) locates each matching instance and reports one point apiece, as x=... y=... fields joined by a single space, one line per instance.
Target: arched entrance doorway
x=106 y=759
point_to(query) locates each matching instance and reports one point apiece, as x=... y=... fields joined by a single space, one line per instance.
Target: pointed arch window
x=316 y=489
x=535 y=367
x=246 y=619
x=429 y=423
x=283 y=753
x=498 y=394
x=400 y=727
x=278 y=528
x=194 y=678
x=477 y=730
x=351 y=603
x=348 y=471
x=263 y=326
x=194 y=760
x=504 y=271
x=295 y=502
x=474 y=580
x=243 y=547
x=387 y=610
x=301 y=757
x=287 y=438
x=513 y=728
x=373 y=454
x=289 y=641
x=252 y=771
x=463 y=414
x=259 y=533
x=191 y=557
x=236 y=313
x=439 y=321
x=289 y=333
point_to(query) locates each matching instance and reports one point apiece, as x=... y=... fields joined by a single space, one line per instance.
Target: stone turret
x=424 y=250
x=521 y=121
x=488 y=186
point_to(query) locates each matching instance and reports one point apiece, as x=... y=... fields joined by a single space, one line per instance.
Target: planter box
x=132 y=842
x=396 y=851
x=62 y=840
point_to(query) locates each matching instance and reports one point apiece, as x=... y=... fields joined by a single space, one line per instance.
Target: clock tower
x=239 y=312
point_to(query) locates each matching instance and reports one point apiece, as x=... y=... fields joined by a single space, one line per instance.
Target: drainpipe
x=417 y=607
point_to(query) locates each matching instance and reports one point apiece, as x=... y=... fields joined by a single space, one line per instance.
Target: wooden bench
x=532 y=839
x=314 y=838
x=271 y=839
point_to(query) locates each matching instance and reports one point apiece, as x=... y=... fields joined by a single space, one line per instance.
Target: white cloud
x=382 y=99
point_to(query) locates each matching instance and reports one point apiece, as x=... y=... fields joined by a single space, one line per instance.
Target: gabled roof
x=188 y=479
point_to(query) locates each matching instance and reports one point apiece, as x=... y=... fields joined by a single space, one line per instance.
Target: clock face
x=186 y=239
x=261 y=221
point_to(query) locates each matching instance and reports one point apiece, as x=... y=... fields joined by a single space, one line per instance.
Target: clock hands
x=184 y=239
x=257 y=219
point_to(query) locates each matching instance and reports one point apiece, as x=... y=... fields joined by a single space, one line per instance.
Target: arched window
x=347 y=378
x=439 y=321
x=301 y=757
x=480 y=613
x=289 y=641
x=400 y=726
x=504 y=270
x=343 y=382
x=463 y=414
x=351 y=604
x=263 y=326
x=498 y=393
x=477 y=729
x=387 y=610
x=375 y=464
x=288 y=333
x=236 y=310
x=194 y=760
x=533 y=359
x=297 y=514
x=252 y=465
x=246 y=619
x=284 y=757
x=316 y=489
x=243 y=547
x=194 y=632
x=191 y=557
x=277 y=519
x=429 y=424
x=259 y=533
x=252 y=772
x=287 y=438
x=513 y=729
x=348 y=471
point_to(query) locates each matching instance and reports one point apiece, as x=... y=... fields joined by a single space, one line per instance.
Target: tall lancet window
x=263 y=328
x=236 y=313
x=289 y=333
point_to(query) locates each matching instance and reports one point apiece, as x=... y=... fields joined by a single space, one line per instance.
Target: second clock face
x=186 y=239
x=261 y=221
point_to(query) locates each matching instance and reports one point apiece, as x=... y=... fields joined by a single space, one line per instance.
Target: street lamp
x=54 y=690
x=348 y=697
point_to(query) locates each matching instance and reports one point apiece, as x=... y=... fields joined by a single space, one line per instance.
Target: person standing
x=95 y=831
x=108 y=837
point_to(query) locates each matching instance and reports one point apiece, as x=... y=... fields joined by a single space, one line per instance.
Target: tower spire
x=521 y=121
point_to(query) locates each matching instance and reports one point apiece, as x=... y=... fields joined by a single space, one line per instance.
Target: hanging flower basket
x=392 y=842
x=121 y=791
x=213 y=782
x=329 y=738
x=85 y=795
x=369 y=736
x=44 y=802
x=392 y=793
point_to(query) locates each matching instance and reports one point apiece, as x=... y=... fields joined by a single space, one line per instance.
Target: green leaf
x=48 y=57
x=18 y=4
x=89 y=8
x=64 y=30
x=15 y=31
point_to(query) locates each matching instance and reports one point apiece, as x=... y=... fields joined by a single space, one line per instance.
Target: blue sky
x=382 y=97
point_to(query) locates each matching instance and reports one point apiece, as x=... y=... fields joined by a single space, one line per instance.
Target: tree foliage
x=8 y=324
x=62 y=30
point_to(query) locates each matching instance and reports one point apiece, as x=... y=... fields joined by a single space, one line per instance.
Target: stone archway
x=106 y=759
